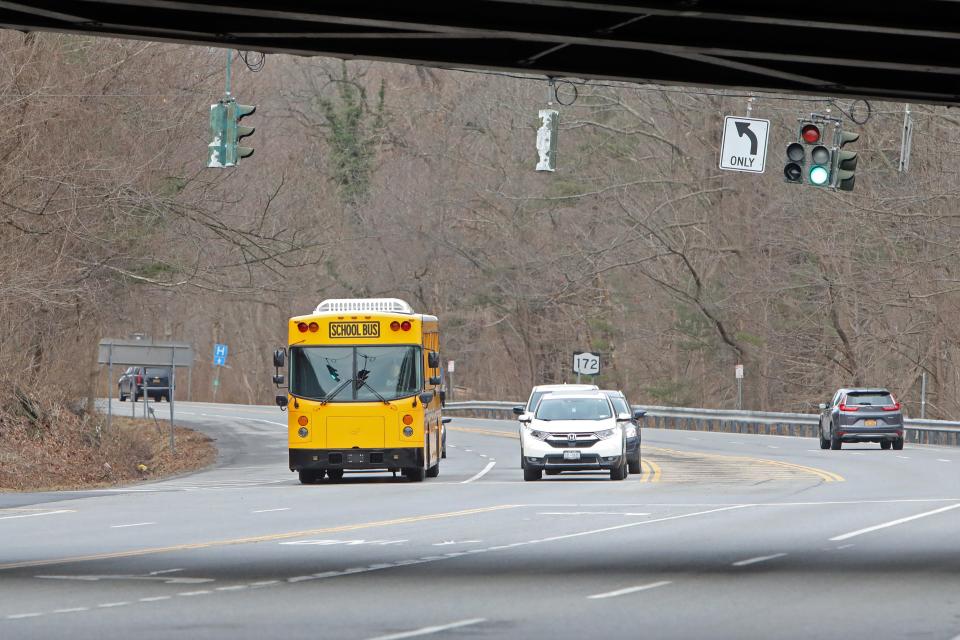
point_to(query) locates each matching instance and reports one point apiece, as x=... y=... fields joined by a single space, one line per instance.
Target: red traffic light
x=810 y=133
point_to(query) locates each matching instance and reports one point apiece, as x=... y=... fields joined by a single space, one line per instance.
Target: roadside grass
x=45 y=446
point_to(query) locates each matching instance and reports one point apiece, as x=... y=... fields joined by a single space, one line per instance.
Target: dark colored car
x=861 y=415
x=620 y=405
x=156 y=380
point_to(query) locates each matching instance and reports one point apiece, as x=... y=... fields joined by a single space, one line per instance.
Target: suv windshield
x=393 y=372
x=574 y=409
x=619 y=404
x=870 y=399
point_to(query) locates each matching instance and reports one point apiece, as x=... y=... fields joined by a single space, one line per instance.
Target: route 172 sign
x=744 y=144
x=586 y=363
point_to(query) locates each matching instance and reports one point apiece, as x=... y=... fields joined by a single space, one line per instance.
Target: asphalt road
x=722 y=536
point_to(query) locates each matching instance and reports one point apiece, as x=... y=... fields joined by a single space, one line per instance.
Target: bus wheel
x=335 y=474
x=415 y=474
x=434 y=471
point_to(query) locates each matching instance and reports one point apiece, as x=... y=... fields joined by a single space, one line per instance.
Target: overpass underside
x=896 y=51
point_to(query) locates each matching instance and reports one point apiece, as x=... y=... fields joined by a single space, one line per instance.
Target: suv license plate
x=571 y=455
x=869 y=423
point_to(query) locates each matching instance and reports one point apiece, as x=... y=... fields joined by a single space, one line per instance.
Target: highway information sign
x=744 y=144
x=586 y=363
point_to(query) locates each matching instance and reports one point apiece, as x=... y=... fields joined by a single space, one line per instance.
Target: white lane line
x=749 y=561
x=592 y=513
x=482 y=473
x=235 y=587
x=770 y=446
x=942 y=460
x=219 y=415
x=469 y=450
x=264 y=583
x=893 y=523
x=18 y=616
x=483 y=455
x=188 y=594
x=34 y=515
x=845 y=546
x=72 y=610
x=110 y=605
x=155 y=598
x=135 y=524
x=623 y=592
x=904 y=457
x=271 y=510
x=426 y=631
x=159 y=573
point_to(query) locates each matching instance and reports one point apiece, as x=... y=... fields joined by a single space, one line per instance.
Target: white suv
x=541 y=390
x=573 y=432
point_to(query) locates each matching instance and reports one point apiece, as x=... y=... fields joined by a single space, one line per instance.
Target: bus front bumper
x=316 y=459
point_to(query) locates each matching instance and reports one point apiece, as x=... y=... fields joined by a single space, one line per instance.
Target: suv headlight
x=631 y=431
x=539 y=435
x=606 y=433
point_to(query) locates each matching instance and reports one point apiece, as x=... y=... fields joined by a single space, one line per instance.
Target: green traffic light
x=819 y=175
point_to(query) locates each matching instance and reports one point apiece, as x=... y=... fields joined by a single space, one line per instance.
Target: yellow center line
x=654 y=471
x=826 y=476
x=252 y=539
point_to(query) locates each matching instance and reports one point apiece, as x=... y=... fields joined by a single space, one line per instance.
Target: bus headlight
x=303 y=432
x=408 y=431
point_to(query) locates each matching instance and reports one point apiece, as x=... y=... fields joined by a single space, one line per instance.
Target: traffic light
x=845 y=162
x=217 y=149
x=796 y=156
x=236 y=132
x=819 y=166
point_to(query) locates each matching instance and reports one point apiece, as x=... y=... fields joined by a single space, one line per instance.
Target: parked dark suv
x=861 y=415
x=157 y=379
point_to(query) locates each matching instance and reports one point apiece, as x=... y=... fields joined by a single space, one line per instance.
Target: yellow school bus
x=364 y=390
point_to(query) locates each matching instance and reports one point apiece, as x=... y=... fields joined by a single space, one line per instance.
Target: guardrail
x=730 y=421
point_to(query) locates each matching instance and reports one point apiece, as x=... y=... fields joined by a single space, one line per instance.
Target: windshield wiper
x=364 y=383
x=325 y=399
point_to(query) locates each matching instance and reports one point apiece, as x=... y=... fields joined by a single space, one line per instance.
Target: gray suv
x=861 y=415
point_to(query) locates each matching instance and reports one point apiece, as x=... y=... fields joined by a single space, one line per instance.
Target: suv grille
x=572 y=440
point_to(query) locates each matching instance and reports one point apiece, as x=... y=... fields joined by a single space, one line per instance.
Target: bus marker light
x=314 y=327
x=395 y=326
x=405 y=325
x=408 y=431
x=302 y=421
x=302 y=326
x=303 y=432
x=408 y=419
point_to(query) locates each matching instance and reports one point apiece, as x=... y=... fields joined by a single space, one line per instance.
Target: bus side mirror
x=426 y=398
x=433 y=360
x=278 y=379
x=443 y=397
x=282 y=401
x=434 y=380
x=279 y=356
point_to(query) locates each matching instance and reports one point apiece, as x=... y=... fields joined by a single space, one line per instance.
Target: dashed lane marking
x=252 y=539
x=426 y=631
x=893 y=523
x=34 y=515
x=628 y=590
x=758 y=559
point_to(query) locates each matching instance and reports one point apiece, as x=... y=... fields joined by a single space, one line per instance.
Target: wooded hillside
x=372 y=179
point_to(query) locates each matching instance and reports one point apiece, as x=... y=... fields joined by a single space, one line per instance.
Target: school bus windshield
x=362 y=372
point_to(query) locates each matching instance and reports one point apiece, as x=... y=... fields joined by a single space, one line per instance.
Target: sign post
x=219 y=361
x=586 y=363
x=450 y=367
x=144 y=353
x=738 y=372
x=744 y=144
